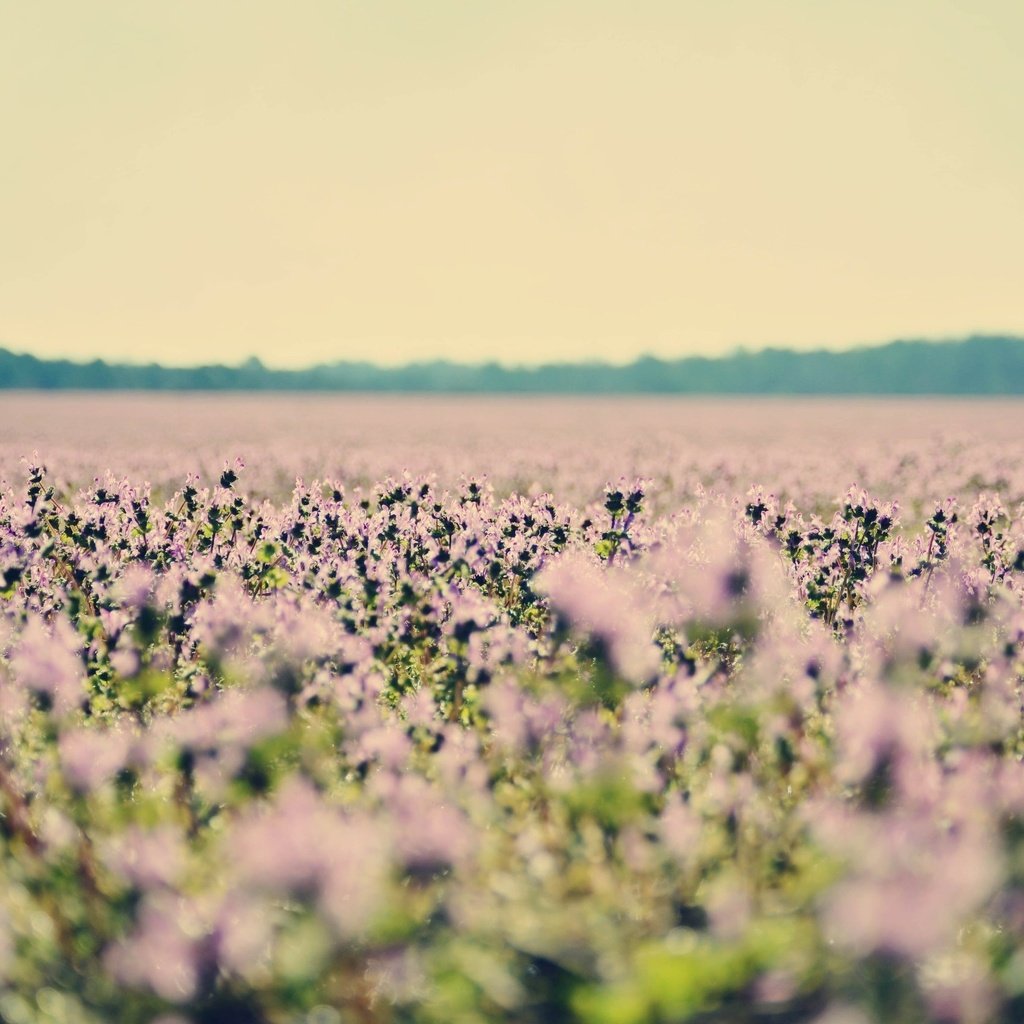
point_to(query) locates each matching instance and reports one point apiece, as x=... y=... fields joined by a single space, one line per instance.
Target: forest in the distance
x=978 y=365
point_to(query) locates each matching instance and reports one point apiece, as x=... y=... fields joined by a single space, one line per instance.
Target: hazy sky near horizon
x=201 y=180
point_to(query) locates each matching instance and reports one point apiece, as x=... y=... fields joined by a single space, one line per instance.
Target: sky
x=524 y=181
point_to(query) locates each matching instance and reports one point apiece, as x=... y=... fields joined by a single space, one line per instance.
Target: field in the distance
x=392 y=709
x=569 y=445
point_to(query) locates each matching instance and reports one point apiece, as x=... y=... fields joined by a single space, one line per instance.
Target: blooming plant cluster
x=446 y=751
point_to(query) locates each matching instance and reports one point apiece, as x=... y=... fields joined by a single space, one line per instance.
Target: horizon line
x=255 y=361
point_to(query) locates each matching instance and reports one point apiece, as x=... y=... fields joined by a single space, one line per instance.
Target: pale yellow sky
x=203 y=180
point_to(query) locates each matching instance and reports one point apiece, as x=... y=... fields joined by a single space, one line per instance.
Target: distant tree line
x=979 y=365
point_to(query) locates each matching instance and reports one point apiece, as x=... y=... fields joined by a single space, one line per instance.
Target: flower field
x=618 y=711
